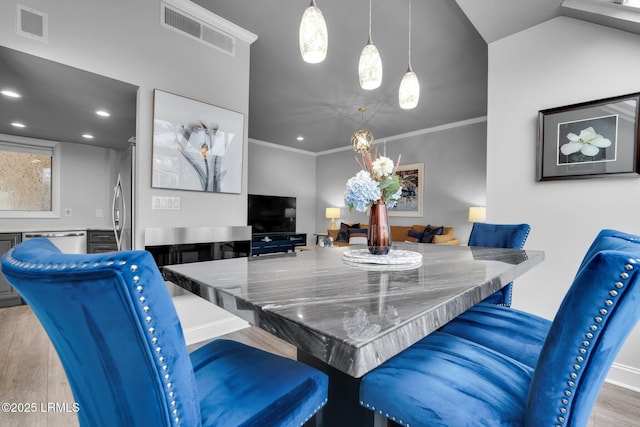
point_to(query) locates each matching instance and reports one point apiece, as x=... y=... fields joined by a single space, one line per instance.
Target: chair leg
x=315 y=421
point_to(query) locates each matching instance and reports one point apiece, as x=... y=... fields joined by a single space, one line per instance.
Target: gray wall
x=565 y=216
x=92 y=35
x=277 y=171
x=454 y=167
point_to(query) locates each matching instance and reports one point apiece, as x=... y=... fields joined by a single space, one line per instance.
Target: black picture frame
x=589 y=139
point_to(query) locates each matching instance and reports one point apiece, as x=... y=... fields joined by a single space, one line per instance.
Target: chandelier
x=362 y=139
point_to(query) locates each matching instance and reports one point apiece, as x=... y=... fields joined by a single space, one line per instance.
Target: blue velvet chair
x=499 y=236
x=494 y=325
x=119 y=339
x=448 y=380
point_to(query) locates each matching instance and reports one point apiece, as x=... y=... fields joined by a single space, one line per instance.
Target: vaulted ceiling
x=290 y=98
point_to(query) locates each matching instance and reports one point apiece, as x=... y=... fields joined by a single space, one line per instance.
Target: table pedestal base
x=343 y=407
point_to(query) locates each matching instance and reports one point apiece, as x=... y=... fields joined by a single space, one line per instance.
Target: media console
x=269 y=243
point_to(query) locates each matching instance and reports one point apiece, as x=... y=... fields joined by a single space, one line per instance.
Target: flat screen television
x=271 y=214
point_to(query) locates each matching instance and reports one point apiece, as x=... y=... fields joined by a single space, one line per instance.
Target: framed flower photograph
x=591 y=139
x=196 y=146
x=411 y=178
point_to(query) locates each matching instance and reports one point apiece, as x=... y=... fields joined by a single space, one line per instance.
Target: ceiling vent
x=191 y=26
x=32 y=23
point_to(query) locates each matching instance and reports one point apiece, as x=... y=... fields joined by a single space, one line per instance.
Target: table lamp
x=477 y=214
x=332 y=213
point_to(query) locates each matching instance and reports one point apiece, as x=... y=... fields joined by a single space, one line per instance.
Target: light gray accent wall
x=454 y=177
x=565 y=216
x=125 y=41
x=277 y=171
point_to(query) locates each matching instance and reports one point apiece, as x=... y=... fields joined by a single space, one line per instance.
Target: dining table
x=347 y=311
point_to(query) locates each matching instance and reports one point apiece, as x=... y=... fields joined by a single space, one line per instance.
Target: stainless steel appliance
x=69 y=242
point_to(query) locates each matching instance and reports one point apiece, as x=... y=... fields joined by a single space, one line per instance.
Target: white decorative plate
x=394 y=257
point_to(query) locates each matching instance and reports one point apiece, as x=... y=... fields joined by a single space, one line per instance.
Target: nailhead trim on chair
x=592 y=332
x=146 y=317
x=386 y=414
x=313 y=413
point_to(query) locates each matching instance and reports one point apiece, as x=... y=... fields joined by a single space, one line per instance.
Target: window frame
x=7 y=142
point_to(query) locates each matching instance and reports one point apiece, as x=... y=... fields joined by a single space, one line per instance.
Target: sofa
x=439 y=235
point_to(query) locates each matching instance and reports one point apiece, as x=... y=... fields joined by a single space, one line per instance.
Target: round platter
x=395 y=259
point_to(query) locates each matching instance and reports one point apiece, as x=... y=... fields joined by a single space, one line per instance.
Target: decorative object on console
x=598 y=138
x=477 y=214
x=313 y=35
x=196 y=146
x=333 y=214
x=370 y=64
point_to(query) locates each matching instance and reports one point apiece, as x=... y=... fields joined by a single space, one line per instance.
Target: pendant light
x=409 y=92
x=313 y=35
x=370 y=65
x=362 y=139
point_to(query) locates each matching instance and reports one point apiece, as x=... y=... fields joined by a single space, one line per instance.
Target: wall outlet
x=99 y=213
x=68 y=212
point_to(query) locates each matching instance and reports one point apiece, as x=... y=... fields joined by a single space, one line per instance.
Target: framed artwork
x=196 y=146
x=411 y=181
x=598 y=138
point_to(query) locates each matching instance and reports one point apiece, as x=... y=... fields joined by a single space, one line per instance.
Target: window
x=29 y=181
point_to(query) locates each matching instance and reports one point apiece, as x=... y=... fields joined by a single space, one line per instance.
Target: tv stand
x=269 y=243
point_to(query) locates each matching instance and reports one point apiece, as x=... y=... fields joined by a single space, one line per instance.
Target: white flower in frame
x=589 y=143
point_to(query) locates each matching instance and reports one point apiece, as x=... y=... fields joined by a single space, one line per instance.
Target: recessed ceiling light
x=103 y=113
x=87 y=136
x=18 y=125
x=300 y=138
x=10 y=93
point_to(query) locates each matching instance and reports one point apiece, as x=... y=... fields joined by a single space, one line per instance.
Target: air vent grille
x=188 y=25
x=32 y=23
x=181 y=22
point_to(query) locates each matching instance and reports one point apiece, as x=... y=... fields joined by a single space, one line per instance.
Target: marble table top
x=352 y=317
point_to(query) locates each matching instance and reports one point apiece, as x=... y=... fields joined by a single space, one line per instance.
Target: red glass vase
x=379 y=237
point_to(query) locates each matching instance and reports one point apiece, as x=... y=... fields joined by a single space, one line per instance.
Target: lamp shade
x=409 y=92
x=313 y=35
x=477 y=214
x=370 y=67
x=332 y=213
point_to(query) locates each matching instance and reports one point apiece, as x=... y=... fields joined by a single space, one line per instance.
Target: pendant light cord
x=370 y=7
x=409 y=34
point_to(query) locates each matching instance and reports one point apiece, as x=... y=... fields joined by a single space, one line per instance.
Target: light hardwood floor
x=30 y=372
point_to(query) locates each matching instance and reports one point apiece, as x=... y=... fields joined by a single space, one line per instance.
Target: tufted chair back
x=577 y=353
x=499 y=236
x=118 y=337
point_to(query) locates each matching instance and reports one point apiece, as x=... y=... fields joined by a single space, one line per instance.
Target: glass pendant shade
x=409 y=92
x=313 y=35
x=370 y=67
x=361 y=141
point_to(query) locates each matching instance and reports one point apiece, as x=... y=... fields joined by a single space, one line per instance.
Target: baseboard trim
x=624 y=376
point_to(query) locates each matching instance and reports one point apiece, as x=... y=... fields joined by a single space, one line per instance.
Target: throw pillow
x=343 y=234
x=415 y=235
x=429 y=232
x=412 y=239
x=358 y=232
